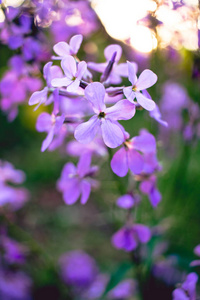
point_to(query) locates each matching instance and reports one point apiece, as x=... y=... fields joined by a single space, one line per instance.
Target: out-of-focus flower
x=51 y=124
x=40 y=97
x=196 y=262
x=78 y=268
x=129 y=237
x=124 y=290
x=14 y=253
x=187 y=291
x=76 y=181
x=14 y=285
x=12 y=196
x=148 y=186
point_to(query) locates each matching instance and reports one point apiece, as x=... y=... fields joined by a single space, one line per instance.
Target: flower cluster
x=13 y=197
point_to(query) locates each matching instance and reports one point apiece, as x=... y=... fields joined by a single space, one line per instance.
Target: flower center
x=134 y=88
x=101 y=115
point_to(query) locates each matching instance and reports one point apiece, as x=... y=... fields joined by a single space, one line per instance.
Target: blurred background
x=163 y=36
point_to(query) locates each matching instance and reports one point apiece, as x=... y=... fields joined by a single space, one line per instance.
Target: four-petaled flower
x=62 y=49
x=129 y=237
x=76 y=181
x=146 y=79
x=73 y=74
x=105 y=118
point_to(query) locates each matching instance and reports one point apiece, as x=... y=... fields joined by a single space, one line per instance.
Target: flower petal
x=132 y=72
x=129 y=93
x=109 y=50
x=95 y=93
x=75 y=43
x=122 y=69
x=145 y=102
x=155 y=196
x=143 y=232
x=73 y=86
x=112 y=134
x=125 y=201
x=146 y=79
x=38 y=97
x=85 y=189
x=82 y=67
x=122 y=110
x=98 y=67
x=83 y=166
x=124 y=239
x=119 y=163
x=59 y=82
x=145 y=142
x=48 y=140
x=44 y=122
x=72 y=191
x=135 y=161
x=62 y=49
x=68 y=65
x=85 y=132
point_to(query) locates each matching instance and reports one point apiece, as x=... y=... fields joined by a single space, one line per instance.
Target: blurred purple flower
x=14 y=286
x=128 y=238
x=78 y=269
x=124 y=290
x=76 y=181
x=14 y=253
x=195 y=263
x=51 y=124
x=40 y=97
x=126 y=201
x=187 y=291
x=148 y=186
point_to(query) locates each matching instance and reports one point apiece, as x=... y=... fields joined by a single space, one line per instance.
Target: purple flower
x=73 y=74
x=128 y=238
x=126 y=201
x=97 y=287
x=63 y=49
x=14 y=197
x=77 y=181
x=96 y=147
x=129 y=157
x=14 y=286
x=9 y=174
x=148 y=186
x=78 y=269
x=14 y=252
x=41 y=97
x=104 y=118
x=195 y=263
x=124 y=290
x=146 y=79
x=51 y=124
x=118 y=70
x=188 y=289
